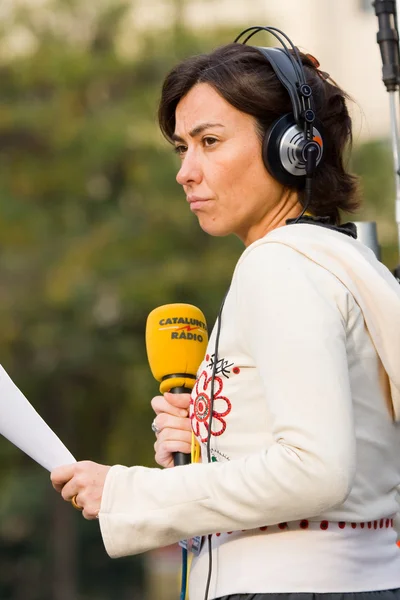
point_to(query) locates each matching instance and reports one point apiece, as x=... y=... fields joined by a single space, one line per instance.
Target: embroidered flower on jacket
x=200 y=407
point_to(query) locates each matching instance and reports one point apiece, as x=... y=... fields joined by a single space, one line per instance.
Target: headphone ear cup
x=282 y=151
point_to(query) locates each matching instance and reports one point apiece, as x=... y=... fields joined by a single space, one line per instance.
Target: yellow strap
x=195 y=452
x=195 y=455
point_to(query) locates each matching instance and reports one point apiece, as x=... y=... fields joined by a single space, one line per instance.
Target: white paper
x=25 y=428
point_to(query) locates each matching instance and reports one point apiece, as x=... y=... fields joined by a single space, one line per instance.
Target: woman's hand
x=85 y=480
x=173 y=424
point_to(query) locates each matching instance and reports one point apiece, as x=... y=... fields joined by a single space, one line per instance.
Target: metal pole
x=388 y=40
x=368 y=235
x=396 y=154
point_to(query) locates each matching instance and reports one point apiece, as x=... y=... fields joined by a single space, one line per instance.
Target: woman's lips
x=195 y=202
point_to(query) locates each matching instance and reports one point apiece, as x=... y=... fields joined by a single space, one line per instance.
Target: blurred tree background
x=95 y=234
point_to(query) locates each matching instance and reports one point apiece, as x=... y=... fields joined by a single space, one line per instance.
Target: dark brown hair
x=245 y=79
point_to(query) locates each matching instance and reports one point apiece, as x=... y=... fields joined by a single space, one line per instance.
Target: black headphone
x=293 y=146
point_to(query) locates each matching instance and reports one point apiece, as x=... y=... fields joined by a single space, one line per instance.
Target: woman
x=304 y=442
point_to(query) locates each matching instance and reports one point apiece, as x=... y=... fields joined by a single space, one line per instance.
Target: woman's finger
x=175 y=435
x=69 y=490
x=164 y=420
x=164 y=451
x=90 y=514
x=60 y=475
x=178 y=400
x=58 y=486
x=161 y=404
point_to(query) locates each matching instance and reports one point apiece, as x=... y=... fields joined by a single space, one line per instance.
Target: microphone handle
x=181 y=458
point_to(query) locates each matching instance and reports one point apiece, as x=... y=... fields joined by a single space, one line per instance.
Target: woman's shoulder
x=312 y=250
x=288 y=266
x=289 y=249
x=305 y=239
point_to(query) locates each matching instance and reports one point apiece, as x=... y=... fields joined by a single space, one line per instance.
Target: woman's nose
x=190 y=171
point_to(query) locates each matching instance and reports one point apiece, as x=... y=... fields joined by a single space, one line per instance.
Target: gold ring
x=75 y=504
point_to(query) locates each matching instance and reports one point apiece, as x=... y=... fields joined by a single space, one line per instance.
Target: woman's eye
x=180 y=149
x=209 y=141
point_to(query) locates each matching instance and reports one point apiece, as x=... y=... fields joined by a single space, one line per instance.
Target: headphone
x=293 y=146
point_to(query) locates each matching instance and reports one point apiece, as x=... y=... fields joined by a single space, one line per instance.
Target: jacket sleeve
x=292 y=326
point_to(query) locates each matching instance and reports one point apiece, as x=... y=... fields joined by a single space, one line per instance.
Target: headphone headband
x=293 y=146
x=278 y=34
x=286 y=74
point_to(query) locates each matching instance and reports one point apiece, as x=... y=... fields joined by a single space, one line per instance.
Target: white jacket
x=305 y=432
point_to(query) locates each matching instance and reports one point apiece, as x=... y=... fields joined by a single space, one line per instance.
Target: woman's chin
x=213 y=228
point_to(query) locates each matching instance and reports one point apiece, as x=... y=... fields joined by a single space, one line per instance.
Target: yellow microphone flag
x=176 y=342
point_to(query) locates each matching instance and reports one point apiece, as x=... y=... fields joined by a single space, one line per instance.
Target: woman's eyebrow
x=196 y=131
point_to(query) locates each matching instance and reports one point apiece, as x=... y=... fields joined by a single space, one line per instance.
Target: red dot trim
x=236 y=370
x=304 y=524
x=324 y=525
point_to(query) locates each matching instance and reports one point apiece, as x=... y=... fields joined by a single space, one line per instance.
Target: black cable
x=184 y=573
x=311 y=162
x=209 y=566
x=307 y=191
x=209 y=432
x=212 y=383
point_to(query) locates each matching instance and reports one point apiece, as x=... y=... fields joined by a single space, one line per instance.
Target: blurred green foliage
x=94 y=234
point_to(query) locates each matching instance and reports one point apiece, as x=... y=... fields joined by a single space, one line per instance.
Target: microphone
x=388 y=40
x=176 y=342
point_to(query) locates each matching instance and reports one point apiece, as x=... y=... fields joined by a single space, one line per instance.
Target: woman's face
x=222 y=173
